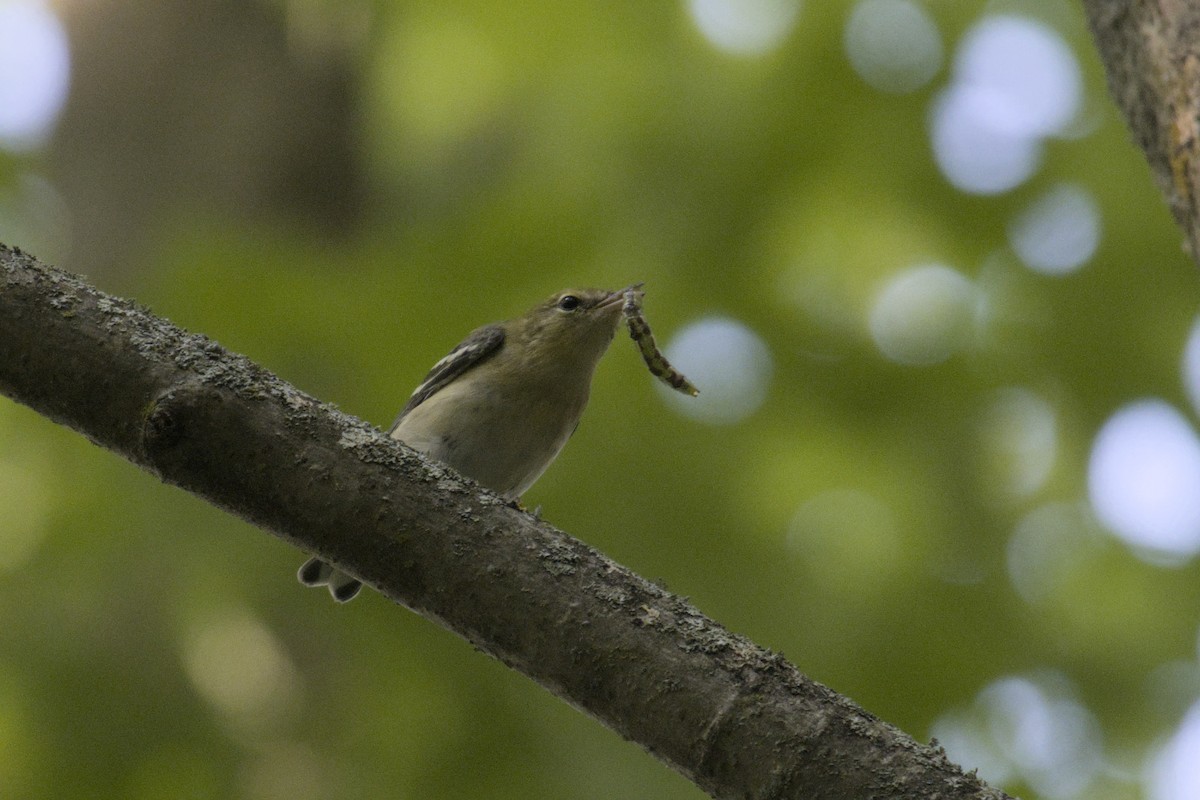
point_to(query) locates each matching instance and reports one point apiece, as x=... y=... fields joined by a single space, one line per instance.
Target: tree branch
x=1151 y=55
x=738 y=720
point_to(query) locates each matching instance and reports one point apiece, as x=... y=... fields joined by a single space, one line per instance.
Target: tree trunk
x=1151 y=54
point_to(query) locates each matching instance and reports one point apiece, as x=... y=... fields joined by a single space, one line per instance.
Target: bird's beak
x=616 y=298
x=619 y=295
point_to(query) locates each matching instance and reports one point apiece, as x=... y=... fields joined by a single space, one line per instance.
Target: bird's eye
x=569 y=302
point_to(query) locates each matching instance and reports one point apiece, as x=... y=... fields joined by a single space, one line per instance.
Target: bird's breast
x=503 y=439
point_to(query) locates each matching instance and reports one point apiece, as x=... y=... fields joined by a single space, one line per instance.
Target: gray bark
x=1151 y=55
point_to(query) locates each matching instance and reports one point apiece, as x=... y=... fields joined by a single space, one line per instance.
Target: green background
x=342 y=191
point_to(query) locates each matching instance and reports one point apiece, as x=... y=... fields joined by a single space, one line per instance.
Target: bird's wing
x=481 y=344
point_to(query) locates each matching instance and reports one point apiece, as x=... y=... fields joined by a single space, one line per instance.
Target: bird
x=502 y=404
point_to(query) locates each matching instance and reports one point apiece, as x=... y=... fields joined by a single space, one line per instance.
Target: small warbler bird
x=502 y=404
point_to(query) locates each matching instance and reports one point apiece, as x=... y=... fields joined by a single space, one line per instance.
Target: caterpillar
x=639 y=331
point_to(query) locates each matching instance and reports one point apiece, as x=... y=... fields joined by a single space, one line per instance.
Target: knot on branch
x=170 y=416
x=162 y=427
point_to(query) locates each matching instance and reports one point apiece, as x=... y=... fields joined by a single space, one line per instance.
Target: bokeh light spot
x=237 y=664
x=1173 y=773
x=1034 y=730
x=1019 y=442
x=1052 y=739
x=1191 y=366
x=974 y=156
x=959 y=734
x=1144 y=481
x=923 y=315
x=34 y=72
x=1059 y=232
x=1015 y=82
x=1028 y=67
x=893 y=45
x=729 y=363
x=745 y=27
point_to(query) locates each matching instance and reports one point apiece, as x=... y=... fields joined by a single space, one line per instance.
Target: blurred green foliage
x=858 y=521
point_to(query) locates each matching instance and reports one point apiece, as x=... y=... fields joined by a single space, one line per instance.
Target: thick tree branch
x=1151 y=54
x=738 y=720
